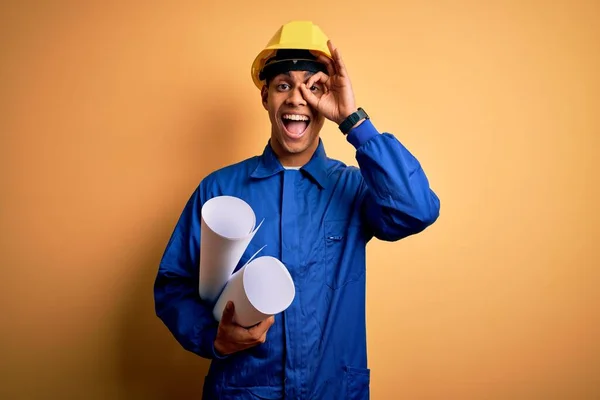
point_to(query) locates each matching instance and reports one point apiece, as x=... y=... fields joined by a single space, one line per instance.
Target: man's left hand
x=337 y=101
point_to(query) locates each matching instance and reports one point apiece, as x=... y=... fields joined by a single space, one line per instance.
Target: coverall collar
x=316 y=168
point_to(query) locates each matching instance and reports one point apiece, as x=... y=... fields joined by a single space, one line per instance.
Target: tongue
x=296 y=127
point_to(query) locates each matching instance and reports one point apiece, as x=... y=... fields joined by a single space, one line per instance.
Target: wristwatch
x=352 y=119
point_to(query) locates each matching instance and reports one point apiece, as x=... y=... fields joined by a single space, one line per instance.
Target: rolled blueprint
x=261 y=288
x=227 y=227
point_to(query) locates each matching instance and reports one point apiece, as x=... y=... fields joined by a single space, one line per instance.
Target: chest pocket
x=344 y=253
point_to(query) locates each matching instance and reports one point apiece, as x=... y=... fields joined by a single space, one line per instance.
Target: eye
x=282 y=87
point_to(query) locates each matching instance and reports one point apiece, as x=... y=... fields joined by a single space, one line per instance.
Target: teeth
x=295 y=117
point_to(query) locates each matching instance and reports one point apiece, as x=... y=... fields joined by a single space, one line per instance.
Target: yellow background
x=111 y=113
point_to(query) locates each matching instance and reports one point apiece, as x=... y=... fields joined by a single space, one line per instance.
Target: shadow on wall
x=152 y=364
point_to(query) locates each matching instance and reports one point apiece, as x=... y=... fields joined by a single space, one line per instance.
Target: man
x=319 y=215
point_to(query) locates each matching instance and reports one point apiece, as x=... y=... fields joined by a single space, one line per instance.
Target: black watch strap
x=352 y=119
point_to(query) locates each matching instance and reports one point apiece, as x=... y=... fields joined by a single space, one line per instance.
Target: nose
x=295 y=98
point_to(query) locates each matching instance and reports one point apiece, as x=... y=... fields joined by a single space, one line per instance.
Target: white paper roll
x=227 y=227
x=261 y=288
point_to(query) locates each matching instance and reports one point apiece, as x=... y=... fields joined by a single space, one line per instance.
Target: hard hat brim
x=263 y=56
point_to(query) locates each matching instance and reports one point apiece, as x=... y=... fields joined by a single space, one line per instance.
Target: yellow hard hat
x=300 y=35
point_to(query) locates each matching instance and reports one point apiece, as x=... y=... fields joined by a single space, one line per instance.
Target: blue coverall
x=318 y=221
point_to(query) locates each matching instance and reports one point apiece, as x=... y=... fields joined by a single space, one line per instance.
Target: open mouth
x=295 y=125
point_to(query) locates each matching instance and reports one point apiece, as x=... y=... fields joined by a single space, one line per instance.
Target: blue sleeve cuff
x=362 y=134
x=216 y=354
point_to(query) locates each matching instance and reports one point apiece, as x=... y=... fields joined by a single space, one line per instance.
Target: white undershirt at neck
x=296 y=168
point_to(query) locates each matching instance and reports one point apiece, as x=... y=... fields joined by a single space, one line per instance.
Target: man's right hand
x=232 y=337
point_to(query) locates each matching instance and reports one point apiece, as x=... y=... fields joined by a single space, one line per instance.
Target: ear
x=264 y=94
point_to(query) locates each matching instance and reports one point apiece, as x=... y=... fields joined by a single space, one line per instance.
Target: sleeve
x=177 y=301
x=396 y=200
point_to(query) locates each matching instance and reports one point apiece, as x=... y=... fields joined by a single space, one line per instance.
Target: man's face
x=295 y=125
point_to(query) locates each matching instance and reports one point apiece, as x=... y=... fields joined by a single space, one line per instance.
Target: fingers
x=263 y=338
x=319 y=77
x=337 y=58
x=261 y=329
x=253 y=336
x=234 y=331
x=270 y=321
x=309 y=96
x=232 y=337
x=243 y=335
x=328 y=63
x=307 y=93
x=228 y=312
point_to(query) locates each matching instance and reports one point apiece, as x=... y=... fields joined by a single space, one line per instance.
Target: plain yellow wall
x=111 y=113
